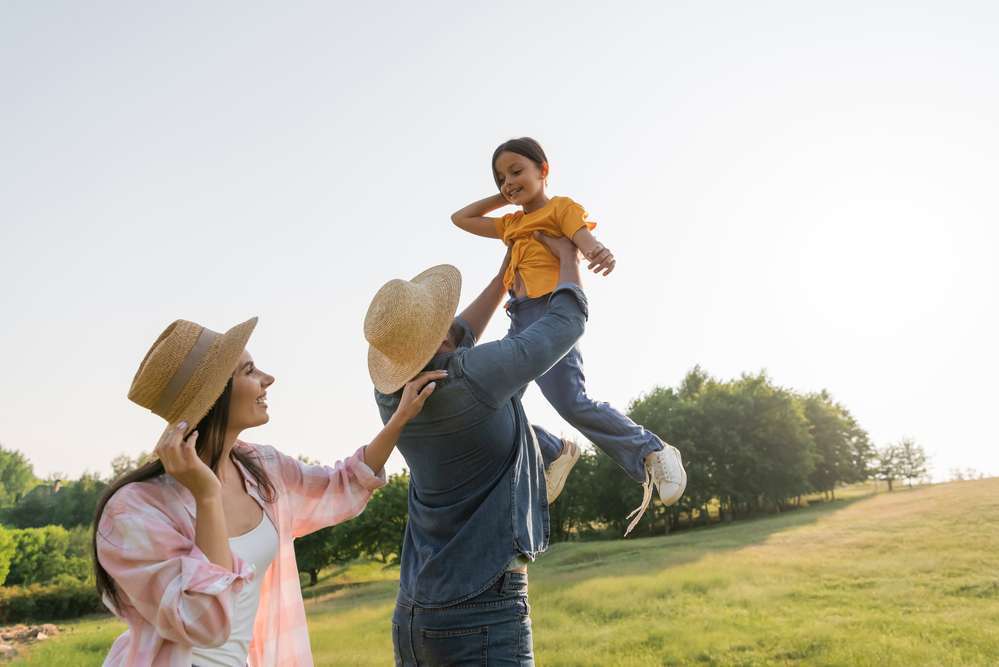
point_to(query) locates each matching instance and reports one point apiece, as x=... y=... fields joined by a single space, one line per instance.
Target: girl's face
x=520 y=179
x=248 y=404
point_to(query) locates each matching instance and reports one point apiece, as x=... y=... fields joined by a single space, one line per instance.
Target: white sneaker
x=664 y=470
x=559 y=469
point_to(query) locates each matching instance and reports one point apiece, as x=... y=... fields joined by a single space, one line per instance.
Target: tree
x=842 y=448
x=333 y=545
x=41 y=555
x=123 y=463
x=912 y=460
x=16 y=476
x=70 y=504
x=888 y=467
x=380 y=528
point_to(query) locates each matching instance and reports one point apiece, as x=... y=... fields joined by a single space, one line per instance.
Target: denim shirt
x=477 y=488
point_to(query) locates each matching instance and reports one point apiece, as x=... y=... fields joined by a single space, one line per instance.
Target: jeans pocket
x=396 y=649
x=455 y=646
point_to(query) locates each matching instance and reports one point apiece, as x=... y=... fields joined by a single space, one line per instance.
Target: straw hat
x=406 y=322
x=187 y=368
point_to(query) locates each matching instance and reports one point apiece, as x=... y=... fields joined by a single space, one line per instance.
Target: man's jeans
x=564 y=386
x=493 y=628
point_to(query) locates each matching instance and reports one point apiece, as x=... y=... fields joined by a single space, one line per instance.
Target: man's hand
x=559 y=246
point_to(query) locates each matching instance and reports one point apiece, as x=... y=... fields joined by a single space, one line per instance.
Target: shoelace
x=646 y=499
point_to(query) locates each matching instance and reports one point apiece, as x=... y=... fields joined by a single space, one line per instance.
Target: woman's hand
x=181 y=461
x=416 y=393
x=601 y=259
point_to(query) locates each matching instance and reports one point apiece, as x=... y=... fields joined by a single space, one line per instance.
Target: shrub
x=68 y=598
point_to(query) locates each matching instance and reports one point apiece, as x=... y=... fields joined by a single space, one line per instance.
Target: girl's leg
x=620 y=438
x=551 y=447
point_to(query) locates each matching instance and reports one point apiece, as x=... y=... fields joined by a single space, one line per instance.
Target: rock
x=50 y=630
x=7 y=651
x=41 y=635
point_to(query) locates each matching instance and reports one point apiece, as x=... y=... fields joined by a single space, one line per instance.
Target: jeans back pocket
x=455 y=646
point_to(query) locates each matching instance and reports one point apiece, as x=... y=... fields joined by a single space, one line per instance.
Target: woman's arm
x=321 y=496
x=472 y=218
x=414 y=396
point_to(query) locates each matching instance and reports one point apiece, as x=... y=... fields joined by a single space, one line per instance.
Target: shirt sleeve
x=500 y=224
x=572 y=217
x=321 y=496
x=498 y=370
x=167 y=579
x=465 y=337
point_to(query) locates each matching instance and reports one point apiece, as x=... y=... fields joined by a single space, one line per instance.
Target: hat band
x=185 y=371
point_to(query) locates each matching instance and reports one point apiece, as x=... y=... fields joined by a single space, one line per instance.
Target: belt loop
x=501 y=583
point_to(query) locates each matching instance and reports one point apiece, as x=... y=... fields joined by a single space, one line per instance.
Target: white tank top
x=257 y=547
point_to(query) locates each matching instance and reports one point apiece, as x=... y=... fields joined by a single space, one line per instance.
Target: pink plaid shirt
x=173 y=597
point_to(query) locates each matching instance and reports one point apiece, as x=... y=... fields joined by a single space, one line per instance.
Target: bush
x=42 y=554
x=69 y=598
x=7 y=547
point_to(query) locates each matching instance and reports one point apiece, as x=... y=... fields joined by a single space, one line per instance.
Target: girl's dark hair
x=211 y=441
x=524 y=146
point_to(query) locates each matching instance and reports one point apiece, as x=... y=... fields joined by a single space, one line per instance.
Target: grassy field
x=909 y=578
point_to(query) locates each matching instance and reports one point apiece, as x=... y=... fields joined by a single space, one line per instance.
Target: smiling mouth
x=262 y=400
x=513 y=193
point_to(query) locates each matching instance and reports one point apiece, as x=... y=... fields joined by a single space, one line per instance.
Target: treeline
x=749 y=446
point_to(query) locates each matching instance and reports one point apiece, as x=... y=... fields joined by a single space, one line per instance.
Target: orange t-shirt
x=538 y=268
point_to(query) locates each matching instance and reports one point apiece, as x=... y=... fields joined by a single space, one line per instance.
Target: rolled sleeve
x=166 y=578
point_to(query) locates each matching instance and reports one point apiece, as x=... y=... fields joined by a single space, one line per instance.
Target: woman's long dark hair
x=211 y=442
x=526 y=147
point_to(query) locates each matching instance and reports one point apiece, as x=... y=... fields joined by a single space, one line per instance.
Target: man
x=477 y=511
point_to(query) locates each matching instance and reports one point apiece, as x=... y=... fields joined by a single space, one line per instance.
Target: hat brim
x=390 y=374
x=222 y=359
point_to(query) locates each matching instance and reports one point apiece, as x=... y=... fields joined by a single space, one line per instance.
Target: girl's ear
x=544 y=170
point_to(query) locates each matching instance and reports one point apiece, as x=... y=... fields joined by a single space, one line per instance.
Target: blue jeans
x=493 y=628
x=564 y=387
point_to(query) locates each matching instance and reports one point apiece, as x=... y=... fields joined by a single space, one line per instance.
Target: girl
x=194 y=550
x=520 y=170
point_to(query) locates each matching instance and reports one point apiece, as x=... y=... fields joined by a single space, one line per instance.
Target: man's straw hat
x=187 y=368
x=406 y=322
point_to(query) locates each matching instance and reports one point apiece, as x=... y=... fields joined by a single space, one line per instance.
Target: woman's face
x=520 y=180
x=248 y=404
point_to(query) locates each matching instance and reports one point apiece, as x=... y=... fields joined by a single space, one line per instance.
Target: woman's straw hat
x=187 y=368
x=406 y=322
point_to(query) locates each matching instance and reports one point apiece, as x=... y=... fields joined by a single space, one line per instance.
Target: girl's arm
x=472 y=218
x=600 y=256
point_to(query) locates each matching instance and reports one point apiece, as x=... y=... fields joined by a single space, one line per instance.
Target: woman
x=194 y=550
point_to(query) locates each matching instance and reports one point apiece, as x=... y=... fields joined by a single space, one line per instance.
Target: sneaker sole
x=555 y=484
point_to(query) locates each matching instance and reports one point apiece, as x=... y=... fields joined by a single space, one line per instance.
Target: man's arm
x=478 y=313
x=498 y=370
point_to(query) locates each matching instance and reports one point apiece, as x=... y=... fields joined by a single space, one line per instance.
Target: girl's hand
x=181 y=461
x=601 y=259
x=416 y=393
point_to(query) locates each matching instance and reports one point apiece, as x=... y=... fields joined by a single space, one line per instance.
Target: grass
x=909 y=578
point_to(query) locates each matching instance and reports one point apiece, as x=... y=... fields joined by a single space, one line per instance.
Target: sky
x=802 y=188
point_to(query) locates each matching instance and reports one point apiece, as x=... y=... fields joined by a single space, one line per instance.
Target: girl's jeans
x=493 y=628
x=564 y=386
